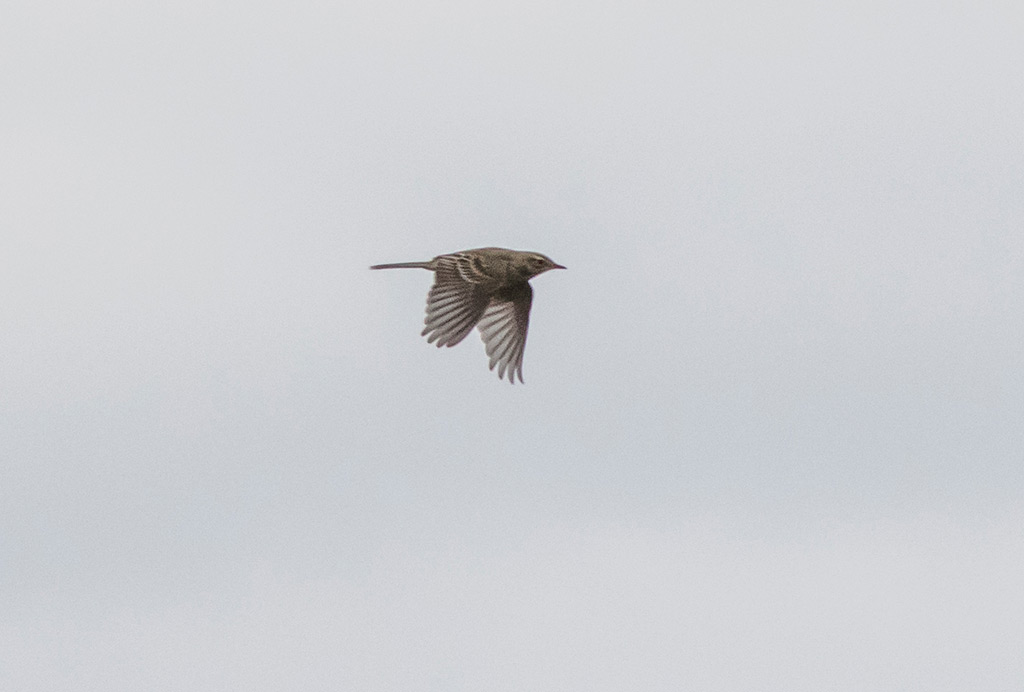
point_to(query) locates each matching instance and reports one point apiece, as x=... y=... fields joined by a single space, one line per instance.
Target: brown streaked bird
x=487 y=288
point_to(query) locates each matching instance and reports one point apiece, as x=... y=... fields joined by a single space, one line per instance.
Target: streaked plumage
x=487 y=288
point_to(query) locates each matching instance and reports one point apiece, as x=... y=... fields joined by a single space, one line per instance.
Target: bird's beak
x=558 y=266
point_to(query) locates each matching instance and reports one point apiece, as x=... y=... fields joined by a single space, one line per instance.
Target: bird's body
x=487 y=288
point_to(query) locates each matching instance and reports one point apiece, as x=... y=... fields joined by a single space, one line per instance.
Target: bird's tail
x=403 y=265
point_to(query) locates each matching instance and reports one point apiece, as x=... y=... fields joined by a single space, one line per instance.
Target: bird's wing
x=503 y=329
x=456 y=301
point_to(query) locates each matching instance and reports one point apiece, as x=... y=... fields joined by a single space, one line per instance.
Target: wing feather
x=455 y=302
x=503 y=328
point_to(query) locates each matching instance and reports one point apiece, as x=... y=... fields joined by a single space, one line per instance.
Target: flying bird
x=487 y=288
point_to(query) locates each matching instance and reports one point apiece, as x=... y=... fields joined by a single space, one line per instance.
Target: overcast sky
x=771 y=433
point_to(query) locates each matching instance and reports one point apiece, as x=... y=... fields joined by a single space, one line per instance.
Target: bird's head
x=536 y=263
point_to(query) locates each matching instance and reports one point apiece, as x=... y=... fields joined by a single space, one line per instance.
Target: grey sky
x=770 y=436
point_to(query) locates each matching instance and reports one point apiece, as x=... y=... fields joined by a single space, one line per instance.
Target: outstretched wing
x=456 y=301
x=503 y=329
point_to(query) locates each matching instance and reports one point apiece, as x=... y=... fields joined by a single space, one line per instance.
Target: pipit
x=487 y=288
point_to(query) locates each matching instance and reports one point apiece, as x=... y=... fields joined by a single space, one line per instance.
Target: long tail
x=403 y=265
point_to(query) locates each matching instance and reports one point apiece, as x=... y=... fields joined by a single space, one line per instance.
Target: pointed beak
x=557 y=266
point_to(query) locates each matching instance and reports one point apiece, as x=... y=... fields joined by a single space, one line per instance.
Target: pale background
x=771 y=434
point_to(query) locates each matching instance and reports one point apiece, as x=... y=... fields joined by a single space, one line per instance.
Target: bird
x=487 y=288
